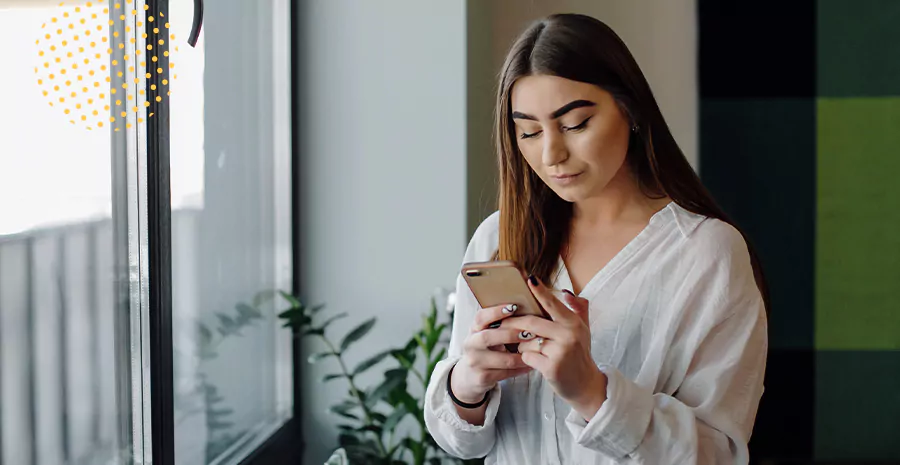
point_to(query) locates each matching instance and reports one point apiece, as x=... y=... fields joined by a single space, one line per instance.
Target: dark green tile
x=858 y=224
x=858 y=406
x=757 y=157
x=858 y=48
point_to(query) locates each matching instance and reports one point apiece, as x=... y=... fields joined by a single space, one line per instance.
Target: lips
x=562 y=177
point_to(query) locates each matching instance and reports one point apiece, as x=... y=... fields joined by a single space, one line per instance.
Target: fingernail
x=495 y=325
x=510 y=308
x=533 y=280
x=525 y=335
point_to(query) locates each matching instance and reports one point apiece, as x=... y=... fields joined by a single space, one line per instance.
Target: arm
x=468 y=436
x=707 y=421
x=721 y=345
x=472 y=434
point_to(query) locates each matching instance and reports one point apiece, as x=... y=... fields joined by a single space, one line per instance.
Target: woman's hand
x=564 y=356
x=485 y=361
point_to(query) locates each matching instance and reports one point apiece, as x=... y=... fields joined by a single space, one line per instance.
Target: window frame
x=286 y=444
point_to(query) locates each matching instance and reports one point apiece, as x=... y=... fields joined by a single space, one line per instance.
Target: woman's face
x=572 y=134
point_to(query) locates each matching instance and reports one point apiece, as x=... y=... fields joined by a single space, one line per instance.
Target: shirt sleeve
x=710 y=417
x=456 y=436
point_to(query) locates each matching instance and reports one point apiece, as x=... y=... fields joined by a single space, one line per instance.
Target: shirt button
x=547 y=416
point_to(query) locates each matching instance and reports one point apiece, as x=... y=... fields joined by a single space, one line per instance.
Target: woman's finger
x=485 y=317
x=537 y=326
x=485 y=340
x=556 y=309
x=491 y=360
x=539 y=362
x=549 y=348
x=499 y=375
x=579 y=305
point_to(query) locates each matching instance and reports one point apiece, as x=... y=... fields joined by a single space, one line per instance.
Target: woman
x=655 y=351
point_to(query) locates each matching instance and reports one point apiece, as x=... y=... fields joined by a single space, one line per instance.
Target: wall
x=661 y=35
x=382 y=136
x=799 y=144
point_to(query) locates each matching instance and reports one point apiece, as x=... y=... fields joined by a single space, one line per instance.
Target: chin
x=571 y=195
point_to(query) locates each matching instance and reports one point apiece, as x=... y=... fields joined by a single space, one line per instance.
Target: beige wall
x=661 y=35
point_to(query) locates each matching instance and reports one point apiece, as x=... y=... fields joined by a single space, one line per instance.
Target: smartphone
x=501 y=282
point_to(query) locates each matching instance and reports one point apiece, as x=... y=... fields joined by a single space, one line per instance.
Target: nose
x=555 y=151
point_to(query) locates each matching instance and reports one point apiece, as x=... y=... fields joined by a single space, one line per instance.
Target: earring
x=635 y=128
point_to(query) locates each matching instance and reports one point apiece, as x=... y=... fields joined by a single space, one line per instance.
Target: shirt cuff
x=620 y=424
x=443 y=408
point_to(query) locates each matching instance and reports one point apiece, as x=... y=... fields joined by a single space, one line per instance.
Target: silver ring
x=540 y=343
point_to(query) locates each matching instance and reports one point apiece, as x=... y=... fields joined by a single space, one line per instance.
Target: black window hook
x=198 y=23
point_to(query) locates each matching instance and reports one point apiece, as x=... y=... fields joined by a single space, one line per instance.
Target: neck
x=620 y=201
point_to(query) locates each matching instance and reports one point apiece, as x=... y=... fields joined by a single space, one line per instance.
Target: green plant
x=369 y=433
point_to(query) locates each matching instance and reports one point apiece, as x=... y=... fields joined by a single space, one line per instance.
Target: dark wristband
x=462 y=404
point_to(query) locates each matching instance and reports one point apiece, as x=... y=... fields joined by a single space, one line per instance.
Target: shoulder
x=485 y=239
x=715 y=263
x=709 y=240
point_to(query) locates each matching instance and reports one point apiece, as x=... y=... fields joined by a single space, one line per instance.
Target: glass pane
x=230 y=160
x=70 y=331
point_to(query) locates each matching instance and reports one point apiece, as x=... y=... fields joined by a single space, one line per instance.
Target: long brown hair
x=534 y=221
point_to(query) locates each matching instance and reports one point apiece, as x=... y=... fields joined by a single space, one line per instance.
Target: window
x=230 y=159
x=93 y=268
x=71 y=366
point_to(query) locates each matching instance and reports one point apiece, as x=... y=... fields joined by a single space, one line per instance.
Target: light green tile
x=858 y=224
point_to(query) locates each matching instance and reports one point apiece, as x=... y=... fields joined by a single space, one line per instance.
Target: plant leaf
x=370 y=362
x=430 y=368
x=402 y=373
x=394 y=418
x=347 y=440
x=412 y=406
x=313 y=331
x=383 y=389
x=401 y=358
x=291 y=313
x=344 y=406
x=357 y=333
x=414 y=446
x=291 y=299
x=319 y=356
x=316 y=308
x=373 y=428
x=420 y=342
x=343 y=410
x=432 y=339
x=347 y=415
x=332 y=376
x=330 y=320
x=345 y=427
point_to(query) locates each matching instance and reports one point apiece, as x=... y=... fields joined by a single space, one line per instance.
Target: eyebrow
x=561 y=111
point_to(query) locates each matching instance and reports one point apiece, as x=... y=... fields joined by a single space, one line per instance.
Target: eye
x=578 y=127
x=525 y=135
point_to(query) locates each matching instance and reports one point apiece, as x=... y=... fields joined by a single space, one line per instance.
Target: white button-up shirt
x=679 y=328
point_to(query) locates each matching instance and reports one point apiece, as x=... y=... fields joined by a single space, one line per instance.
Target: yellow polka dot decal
x=87 y=49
